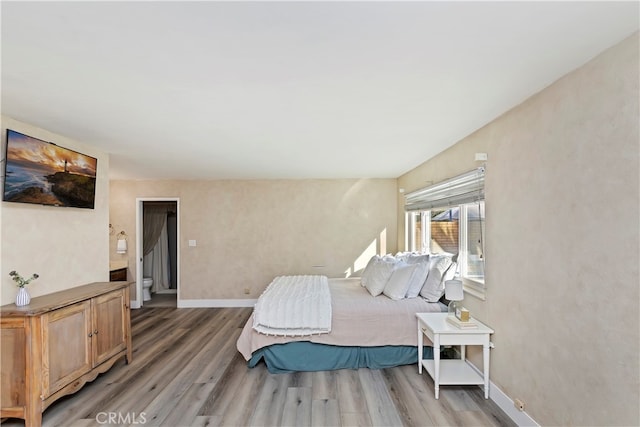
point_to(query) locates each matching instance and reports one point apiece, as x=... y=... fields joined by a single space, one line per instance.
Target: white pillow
x=451 y=272
x=417 y=258
x=381 y=270
x=396 y=287
x=367 y=270
x=433 y=288
x=402 y=256
x=418 y=278
x=389 y=257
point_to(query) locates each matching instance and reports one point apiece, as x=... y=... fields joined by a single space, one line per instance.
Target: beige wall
x=248 y=232
x=67 y=247
x=562 y=290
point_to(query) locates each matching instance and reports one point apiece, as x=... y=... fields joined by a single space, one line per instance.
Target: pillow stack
x=408 y=275
x=377 y=273
x=440 y=270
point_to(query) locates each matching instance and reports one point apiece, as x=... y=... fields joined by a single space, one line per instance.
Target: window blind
x=465 y=188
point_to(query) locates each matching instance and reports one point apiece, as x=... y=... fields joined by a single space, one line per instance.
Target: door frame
x=138 y=302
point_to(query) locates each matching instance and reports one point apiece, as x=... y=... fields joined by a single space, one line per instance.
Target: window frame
x=471 y=285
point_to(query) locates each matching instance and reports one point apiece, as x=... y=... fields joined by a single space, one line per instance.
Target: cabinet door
x=108 y=326
x=66 y=345
x=13 y=362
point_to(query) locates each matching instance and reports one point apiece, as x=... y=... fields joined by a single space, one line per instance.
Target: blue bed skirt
x=307 y=356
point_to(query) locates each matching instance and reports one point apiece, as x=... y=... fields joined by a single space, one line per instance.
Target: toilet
x=147 y=282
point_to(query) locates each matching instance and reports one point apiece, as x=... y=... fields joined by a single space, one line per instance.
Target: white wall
x=67 y=247
x=562 y=243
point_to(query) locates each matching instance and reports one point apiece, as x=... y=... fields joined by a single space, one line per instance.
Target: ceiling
x=280 y=90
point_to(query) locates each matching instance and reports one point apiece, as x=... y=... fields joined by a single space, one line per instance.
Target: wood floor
x=161 y=300
x=186 y=371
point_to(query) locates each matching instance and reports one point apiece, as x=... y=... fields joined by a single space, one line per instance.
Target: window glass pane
x=444 y=230
x=417 y=232
x=475 y=240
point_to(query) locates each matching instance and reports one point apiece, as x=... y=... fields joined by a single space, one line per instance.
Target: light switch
x=192 y=243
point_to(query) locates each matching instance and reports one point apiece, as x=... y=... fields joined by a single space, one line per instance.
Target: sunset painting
x=44 y=173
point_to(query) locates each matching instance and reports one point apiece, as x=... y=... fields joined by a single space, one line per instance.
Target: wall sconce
x=121 y=246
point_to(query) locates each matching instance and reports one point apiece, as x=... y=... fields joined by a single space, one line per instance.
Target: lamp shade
x=453 y=290
x=121 y=246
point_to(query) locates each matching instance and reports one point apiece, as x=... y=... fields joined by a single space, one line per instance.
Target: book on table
x=470 y=324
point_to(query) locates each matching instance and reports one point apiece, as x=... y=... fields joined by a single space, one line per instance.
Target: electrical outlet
x=247 y=291
x=519 y=404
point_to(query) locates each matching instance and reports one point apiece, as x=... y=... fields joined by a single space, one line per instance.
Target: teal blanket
x=306 y=356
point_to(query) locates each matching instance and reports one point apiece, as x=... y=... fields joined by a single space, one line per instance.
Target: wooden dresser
x=59 y=342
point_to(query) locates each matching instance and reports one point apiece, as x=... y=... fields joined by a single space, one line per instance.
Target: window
x=474 y=232
x=454 y=224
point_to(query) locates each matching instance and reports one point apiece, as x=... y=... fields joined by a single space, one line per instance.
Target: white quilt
x=294 y=306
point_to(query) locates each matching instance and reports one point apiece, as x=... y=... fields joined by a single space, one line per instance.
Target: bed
x=366 y=331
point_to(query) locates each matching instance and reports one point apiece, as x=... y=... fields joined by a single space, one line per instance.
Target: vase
x=23 y=297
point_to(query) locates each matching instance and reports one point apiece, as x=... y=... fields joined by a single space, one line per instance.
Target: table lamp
x=453 y=292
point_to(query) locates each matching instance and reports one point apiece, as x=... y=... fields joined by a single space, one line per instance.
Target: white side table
x=458 y=371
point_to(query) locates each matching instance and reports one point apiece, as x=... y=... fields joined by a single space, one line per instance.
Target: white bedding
x=294 y=306
x=358 y=319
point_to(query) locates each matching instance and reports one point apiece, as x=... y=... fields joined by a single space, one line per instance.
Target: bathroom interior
x=160 y=230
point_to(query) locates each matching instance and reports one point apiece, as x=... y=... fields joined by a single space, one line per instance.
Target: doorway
x=157 y=254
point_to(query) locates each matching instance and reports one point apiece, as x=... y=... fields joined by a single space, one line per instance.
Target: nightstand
x=458 y=371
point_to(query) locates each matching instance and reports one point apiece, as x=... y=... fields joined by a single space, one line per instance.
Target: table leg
x=420 y=344
x=463 y=352
x=436 y=363
x=485 y=357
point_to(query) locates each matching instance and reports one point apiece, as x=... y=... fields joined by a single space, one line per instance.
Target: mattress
x=358 y=320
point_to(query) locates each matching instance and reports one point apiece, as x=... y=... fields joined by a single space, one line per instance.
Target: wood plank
x=240 y=411
x=355 y=419
x=83 y=422
x=349 y=392
x=270 y=401
x=185 y=411
x=212 y=365
x=323 y=385
x=325 y=412
x=381 y=408
x=407 y=400
x=297 y=407
x=224 y=394
x=458 y=398
x=206 y=421
x=439 y=411
x=489 y=408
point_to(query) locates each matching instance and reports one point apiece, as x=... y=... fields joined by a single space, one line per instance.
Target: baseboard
x=134 y=304
x=215 y=303
x=505 y=403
